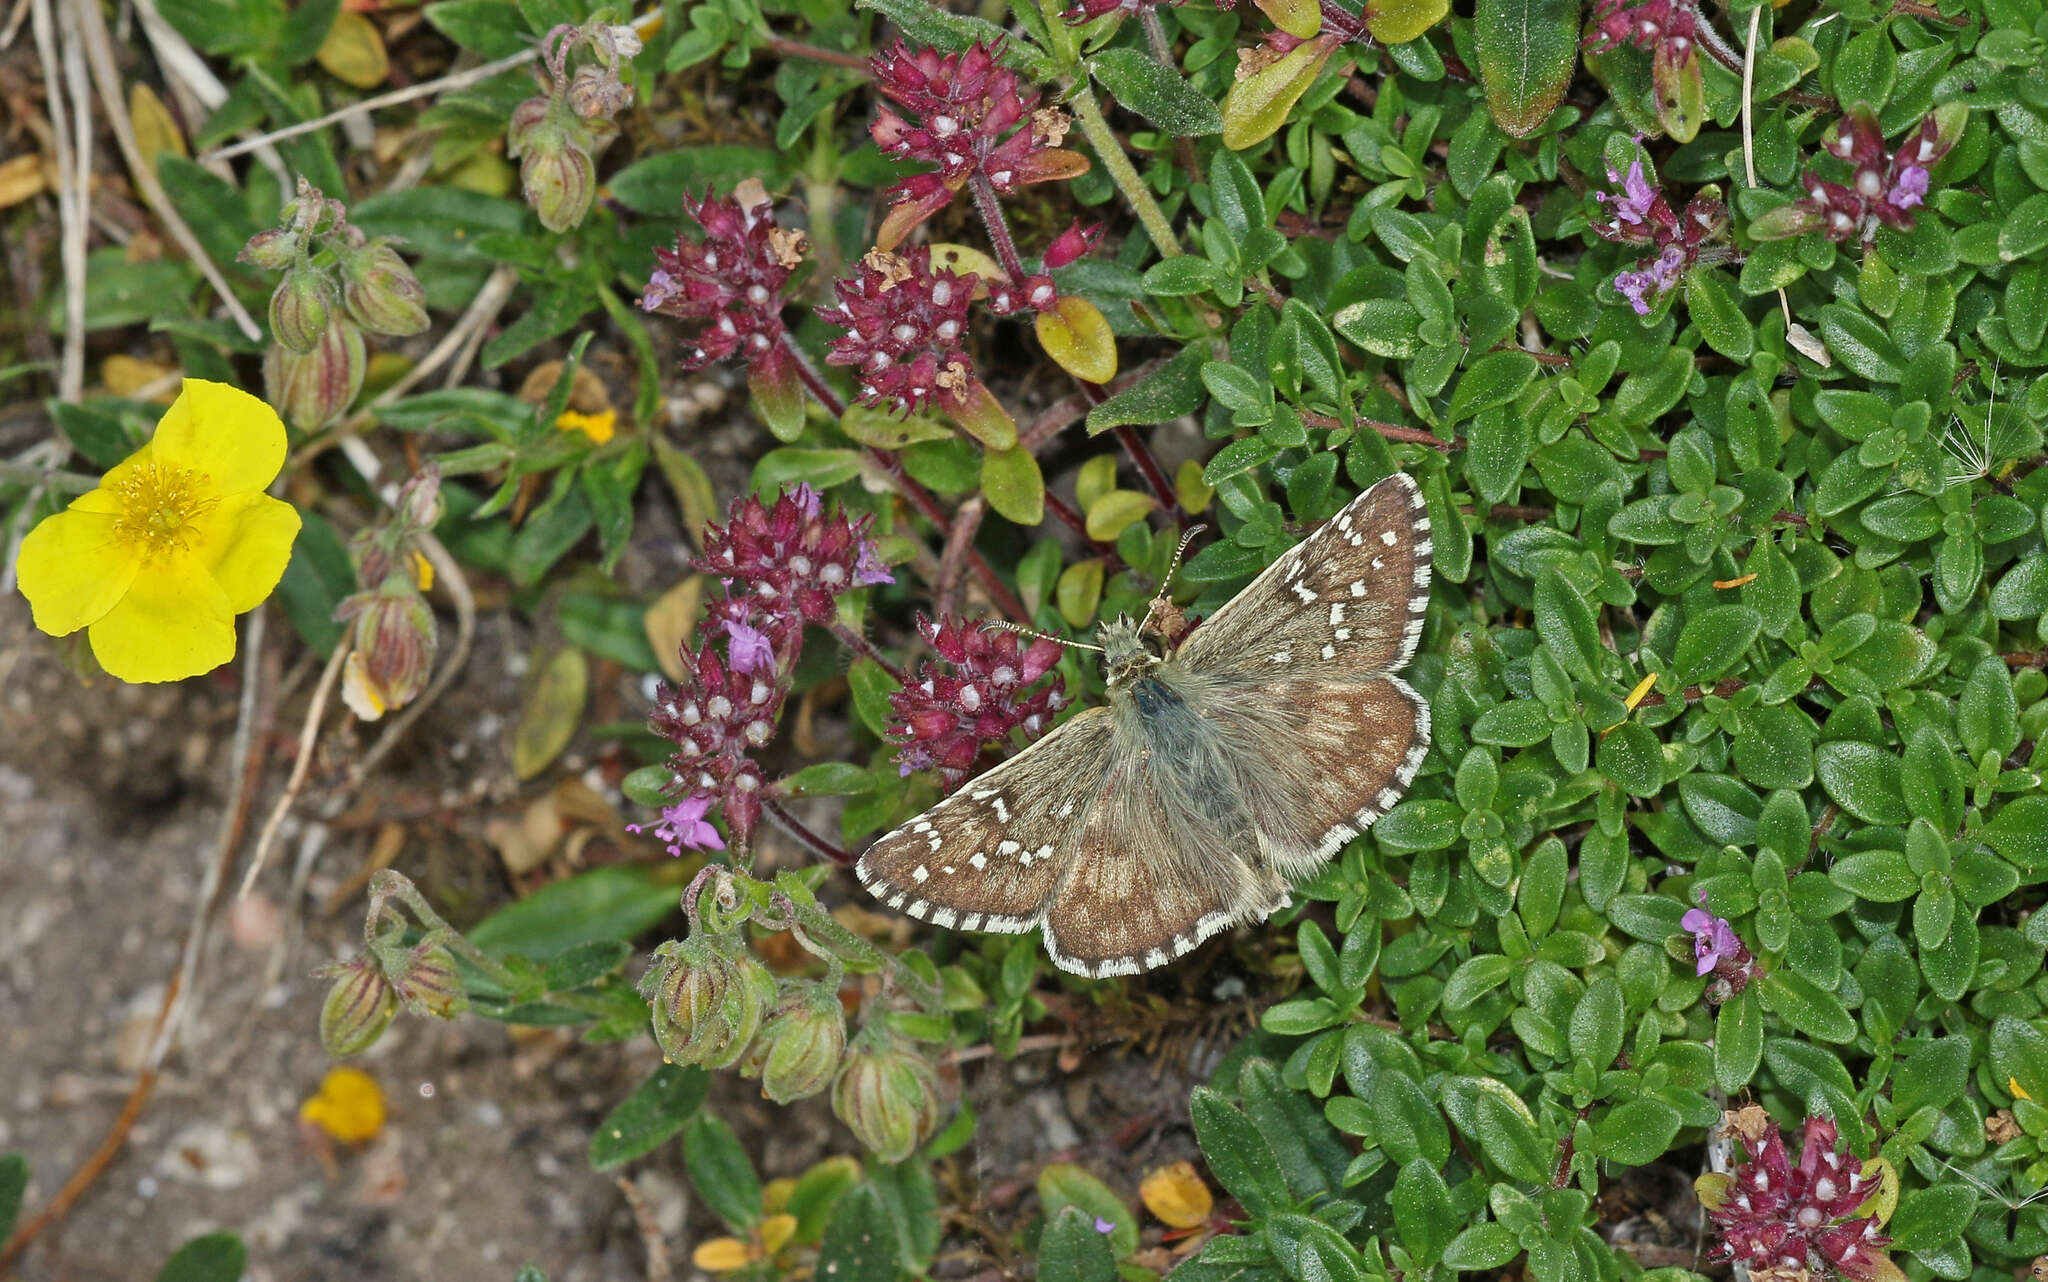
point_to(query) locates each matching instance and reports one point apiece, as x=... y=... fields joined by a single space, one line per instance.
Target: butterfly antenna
x=1006 y=626
x=1178 y=553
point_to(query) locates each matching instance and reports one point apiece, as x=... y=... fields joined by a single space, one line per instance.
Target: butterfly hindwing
x=1348 y=599
x=989 y=856
x=1144 y=886
x=1350 y=755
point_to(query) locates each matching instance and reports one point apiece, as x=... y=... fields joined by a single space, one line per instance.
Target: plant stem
x=798 y=49
x=918 y=496
x=852 y=947
x=387 y=884
x=1088 y=114
x=1148 y=466
x=796 y=828
x=991 y=211
x=860 y=645
x=1392 y=431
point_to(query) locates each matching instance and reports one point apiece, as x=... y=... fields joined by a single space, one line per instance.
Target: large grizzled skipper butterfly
x=1220 y=768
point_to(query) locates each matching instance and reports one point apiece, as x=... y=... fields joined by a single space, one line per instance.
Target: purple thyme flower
x=683 y=824
x=1712 y=937
x=748 y=649
x=1638 y=199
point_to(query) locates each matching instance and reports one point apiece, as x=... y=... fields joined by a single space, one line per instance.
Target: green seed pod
x=800 y=1044
x=888 y=1097
x=300 y=307
x=311 y=389
x=358 y=1008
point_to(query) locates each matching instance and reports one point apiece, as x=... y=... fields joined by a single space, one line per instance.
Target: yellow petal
x=2012 y=1084
x=224 y=432
x=776 y=1231
x=1177 y=1195
x=722 y=1255
x=173 y=622
x=245 y=541
x=349 y=1105
x=71 y=567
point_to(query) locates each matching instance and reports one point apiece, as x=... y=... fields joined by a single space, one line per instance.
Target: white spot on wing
x=919 y=873
x=977 y=861
x=1387 y=537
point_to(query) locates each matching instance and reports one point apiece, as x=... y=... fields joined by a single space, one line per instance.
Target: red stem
x=920 y=498
x=991 y=211
x=817 y=845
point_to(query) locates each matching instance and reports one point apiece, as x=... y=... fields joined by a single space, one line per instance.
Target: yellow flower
x=349 y=1106
x=177 y=540
x=598 y=427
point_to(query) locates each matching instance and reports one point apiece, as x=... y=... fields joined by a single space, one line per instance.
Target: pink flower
x=1642 y=216
x=748 y=648
x=906 y=331
x=1793 y=1220
x=1712 y=937
x=789 y=558
x=1073 y=244
x=683 y=825
x=732 y=279
x=943 y=718
x=1637 y=207
x=1654 y=26
x=970 y=119
x=717 y=719
x=1884 y=187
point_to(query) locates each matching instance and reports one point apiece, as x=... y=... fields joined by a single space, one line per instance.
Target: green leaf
x=720 y=1171
x=1238 y=1155
x=13 y=1184
x=829 y=779
x=860 y=1240
x=1423 y=1214
x=644 y=1120
x=1482 y=1247
x=1063 y=1184
x=1637 y=1131
x=1508 y=1140
x=1164 y=394
x=617 y=901
x=2024 y=229
x=1863 y=780
x=1712 y=642
x=1493 y=379
x=1527 y=49
x=1596 y=1028
x=1013 y=485
x=1710 y=299
x=656 y=185
x=1932 y=1217
x=1807 y=1007
x=1072 y=1251
x=217 y=1257
x=1475 y=978
x=1931 y=1072
x=1631 y=756
x=1738 y=1041
x=1157 y=93
x=1383 y=326
x=1880 y=876
x=316 y=579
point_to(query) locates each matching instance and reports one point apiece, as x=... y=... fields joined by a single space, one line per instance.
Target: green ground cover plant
x=1712 y=334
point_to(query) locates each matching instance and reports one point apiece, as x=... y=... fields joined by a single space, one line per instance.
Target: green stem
x=1088 y=114
x=804 y=909
x=386 y=885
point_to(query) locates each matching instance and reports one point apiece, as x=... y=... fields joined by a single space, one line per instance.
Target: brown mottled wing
x=989 y=856
x=1337 y=755
x=1347 y=600
x=1146 y=886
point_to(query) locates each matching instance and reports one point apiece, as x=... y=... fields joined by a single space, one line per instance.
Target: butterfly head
x=1132 y=647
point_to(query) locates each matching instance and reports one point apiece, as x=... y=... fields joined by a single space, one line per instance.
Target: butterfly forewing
x=989 y=856
x=1349 y=598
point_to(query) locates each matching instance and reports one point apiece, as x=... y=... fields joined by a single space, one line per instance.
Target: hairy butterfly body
x=1219 y=770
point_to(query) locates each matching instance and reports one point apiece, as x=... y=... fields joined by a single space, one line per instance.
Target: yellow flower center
x=160 y=506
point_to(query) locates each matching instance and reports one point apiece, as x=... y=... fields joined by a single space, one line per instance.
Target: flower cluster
x=1795 y=1222
x=337 y=285
x=1666 y=27
x=1719 y=951
x=906 y=330
x=393 y=640
x=557 y=135
x=783 y=564
x=1884 y=186
x=1640 y=215
x=732 y=278
x=944 y=718
x=973 y=121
